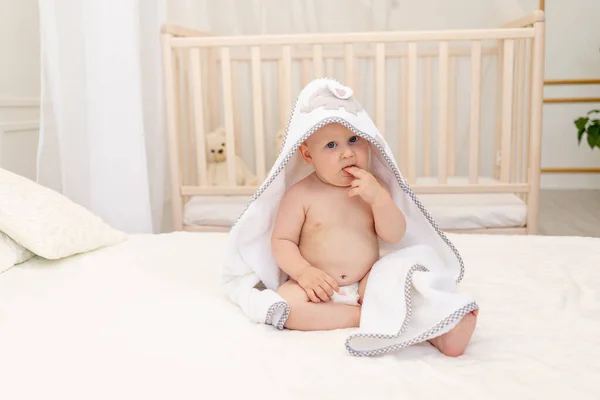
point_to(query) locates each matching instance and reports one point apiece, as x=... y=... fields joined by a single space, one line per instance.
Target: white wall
x=573 y=51
x=19 y=85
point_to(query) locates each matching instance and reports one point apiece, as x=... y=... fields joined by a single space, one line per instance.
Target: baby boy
x=326 y=236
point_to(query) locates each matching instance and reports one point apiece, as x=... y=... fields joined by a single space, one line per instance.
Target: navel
x=344 y=277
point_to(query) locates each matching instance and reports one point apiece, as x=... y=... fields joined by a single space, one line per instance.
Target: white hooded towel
x=411 y=295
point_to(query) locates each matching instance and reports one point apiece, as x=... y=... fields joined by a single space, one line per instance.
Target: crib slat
x=280 y=90
x=329 y=67
x=498 y=113
x=427 y=114
x=411 y=120
x=213 y=92
x=257 y=101
x=452 y=95
x=191 y=119
x=204 y=57
x=236 y=108
x=285 y=84
x=177 y=73
x=402 y=123
x=521 y=109
x=380 y=87
x=529 y=109
x=198 y=115
x=443 y=113
x=475 y=110
x=507 y=99
x=305 y=67
x=349 y=66
x=186 y=129
x=318 y=61
x=228 y=113
x=515 y=101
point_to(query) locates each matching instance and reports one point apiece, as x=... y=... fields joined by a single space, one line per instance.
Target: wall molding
x=19 y=102
x=571 y=170
x=20 y=126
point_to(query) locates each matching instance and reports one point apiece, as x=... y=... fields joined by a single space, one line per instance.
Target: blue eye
x=331 y=145
x=353 y=139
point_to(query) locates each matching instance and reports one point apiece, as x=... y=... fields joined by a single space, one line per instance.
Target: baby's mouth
x=346 y=172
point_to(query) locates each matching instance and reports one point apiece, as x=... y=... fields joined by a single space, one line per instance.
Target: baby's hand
x=365 y=185
x=317 y=284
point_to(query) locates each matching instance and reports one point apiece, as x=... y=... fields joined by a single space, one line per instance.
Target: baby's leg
x=454 y=342
x=308 y=316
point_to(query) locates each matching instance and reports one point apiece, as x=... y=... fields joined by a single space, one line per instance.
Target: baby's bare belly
x=344 y=253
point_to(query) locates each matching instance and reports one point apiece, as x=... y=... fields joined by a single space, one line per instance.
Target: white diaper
x=347 y=295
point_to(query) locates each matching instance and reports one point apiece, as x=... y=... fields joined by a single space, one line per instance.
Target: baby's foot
x=454 y=342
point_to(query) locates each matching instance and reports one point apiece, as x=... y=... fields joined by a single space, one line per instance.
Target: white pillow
x=48 y=223
x=11 y=253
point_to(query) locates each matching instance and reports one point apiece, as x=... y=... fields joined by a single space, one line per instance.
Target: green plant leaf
x=580 y=135
x=591 y=141
x=580 y=123
x=593 y=134
x=593 y=111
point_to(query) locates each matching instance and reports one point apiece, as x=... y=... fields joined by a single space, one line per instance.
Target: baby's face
x=333 y=148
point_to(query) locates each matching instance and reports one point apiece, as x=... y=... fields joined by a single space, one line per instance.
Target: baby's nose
x=347 y=153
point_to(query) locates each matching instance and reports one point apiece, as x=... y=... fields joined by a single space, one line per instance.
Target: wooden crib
x=461 y=108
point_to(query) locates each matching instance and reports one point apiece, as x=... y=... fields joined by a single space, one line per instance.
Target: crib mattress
x=147 y=319
x=451 y=211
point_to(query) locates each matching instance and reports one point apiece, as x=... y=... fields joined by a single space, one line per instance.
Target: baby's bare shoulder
x=297 y=189
x=297 y=195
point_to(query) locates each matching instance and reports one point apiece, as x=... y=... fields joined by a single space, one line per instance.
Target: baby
x=326 y=236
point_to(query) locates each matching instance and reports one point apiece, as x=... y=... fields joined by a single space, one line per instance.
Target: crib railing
x=414 y=85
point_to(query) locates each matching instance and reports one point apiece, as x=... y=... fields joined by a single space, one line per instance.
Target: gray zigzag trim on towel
x=405 y=187
x=455 y=316
x=284 y=317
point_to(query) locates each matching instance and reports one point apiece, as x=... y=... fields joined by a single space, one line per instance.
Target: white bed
x=451 y=211
x=146 y=319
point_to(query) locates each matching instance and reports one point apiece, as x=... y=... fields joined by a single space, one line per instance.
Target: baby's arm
x=390 y=223
x=284 y=245
x=286 y=234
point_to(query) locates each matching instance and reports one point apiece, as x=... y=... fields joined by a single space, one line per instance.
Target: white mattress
x=451 y=211
x=146 y=320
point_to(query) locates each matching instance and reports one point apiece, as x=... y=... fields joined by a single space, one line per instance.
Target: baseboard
x=20 y=126
x=570 y=181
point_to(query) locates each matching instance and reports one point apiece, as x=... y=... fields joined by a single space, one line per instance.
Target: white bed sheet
x=146 y=319
x=451 y=211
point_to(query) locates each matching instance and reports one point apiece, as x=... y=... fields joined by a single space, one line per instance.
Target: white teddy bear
x=216 y=157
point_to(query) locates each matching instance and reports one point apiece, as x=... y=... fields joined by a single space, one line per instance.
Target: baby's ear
x=303 y=149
